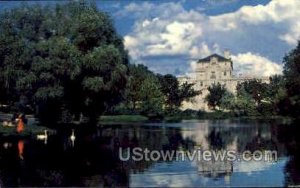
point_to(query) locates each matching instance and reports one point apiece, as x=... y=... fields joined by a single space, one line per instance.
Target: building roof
x=207 y=59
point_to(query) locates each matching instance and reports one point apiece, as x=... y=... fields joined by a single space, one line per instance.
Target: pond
x=103 y=155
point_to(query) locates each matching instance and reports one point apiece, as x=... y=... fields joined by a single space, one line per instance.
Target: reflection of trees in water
x=292 y=171
x=282 y=138
x=240 y=138
x=288 y=134
x=259 y=142
x=10 y=164
x=56 y=165
x=216 y=140
x=94 y=160
x=248 y=137
x=152 y=138
x=257 y=136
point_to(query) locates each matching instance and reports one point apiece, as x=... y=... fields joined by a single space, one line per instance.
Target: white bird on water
x=72 y=137
x=43 y=136
x=7 y=145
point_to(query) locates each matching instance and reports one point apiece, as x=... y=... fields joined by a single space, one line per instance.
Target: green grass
x=28 y=130
x=123 y=119
x=216 y=115
x=173 y=119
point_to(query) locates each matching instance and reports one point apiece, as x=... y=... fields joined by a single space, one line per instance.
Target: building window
x=201 y=84
x=213 y=60
x=213 y=75
x=225 y=73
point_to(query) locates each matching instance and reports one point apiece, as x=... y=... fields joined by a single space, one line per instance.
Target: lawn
x=123 y=119
x=28 y=131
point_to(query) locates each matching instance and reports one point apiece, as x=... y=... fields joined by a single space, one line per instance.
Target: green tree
x=291 y=73
x=215 y=95
x=65 y=57
x=137 y=75
x=174 y=92
x=227 y=101
x=244 y=104
x=277 y=94
x=262 y=95
x=151 y=97
x=143 y=94
x=255 y=88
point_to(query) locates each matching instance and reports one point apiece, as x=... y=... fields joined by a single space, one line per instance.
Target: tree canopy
x=291 y=74
x=68 y=56
x=215 y=95
x=174 y=92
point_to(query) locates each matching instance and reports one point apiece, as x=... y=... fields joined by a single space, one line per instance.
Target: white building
x=212 y=69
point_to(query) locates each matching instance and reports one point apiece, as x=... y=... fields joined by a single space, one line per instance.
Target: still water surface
x=93 y=159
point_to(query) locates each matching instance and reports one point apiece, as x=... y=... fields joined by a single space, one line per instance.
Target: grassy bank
x=182 y=116
x=29 y=130
x=187 y=115
x=123 y=119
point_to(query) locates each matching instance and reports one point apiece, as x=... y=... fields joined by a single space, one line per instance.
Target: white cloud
x=293 y=35
x=146 y=9
x=200 y=52
x=176 y=39
x=131 y=43
x=276 y=11
x=254 y=64
x=168 y=29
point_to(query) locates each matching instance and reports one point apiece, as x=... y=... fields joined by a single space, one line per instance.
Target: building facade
x=209 y=70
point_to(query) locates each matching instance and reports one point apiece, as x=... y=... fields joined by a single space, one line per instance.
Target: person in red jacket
x=20 y=126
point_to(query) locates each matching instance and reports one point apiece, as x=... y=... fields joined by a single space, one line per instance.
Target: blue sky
x=169 y=36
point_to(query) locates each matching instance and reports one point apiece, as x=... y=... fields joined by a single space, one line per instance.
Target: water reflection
x=94 y=160
x=21 y=149
x=43 y=137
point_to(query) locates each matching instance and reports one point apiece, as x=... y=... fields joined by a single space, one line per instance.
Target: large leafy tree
x=143 y=93
x=68 y=56
x=256 y=97
x=292 y=77
x=227 y=101
x=174 y=92
x=256 y=88
x=215 y=95
x=150 y=93
x=277 y=94
x=137 y=75
x=244 y=104
x=151 y=97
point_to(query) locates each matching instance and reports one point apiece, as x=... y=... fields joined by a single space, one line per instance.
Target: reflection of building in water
x=209 y=70
x=215 y=168
x=198 y=134
x=201 y=133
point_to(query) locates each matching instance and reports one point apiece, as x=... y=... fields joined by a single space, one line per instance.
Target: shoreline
x=34 y=128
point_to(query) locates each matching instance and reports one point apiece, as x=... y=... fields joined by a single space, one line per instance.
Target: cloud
x=262 y=33
x=146 y=9
x=275 y=11
x=254 y=64
x=201 y=51
x=293 y=35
